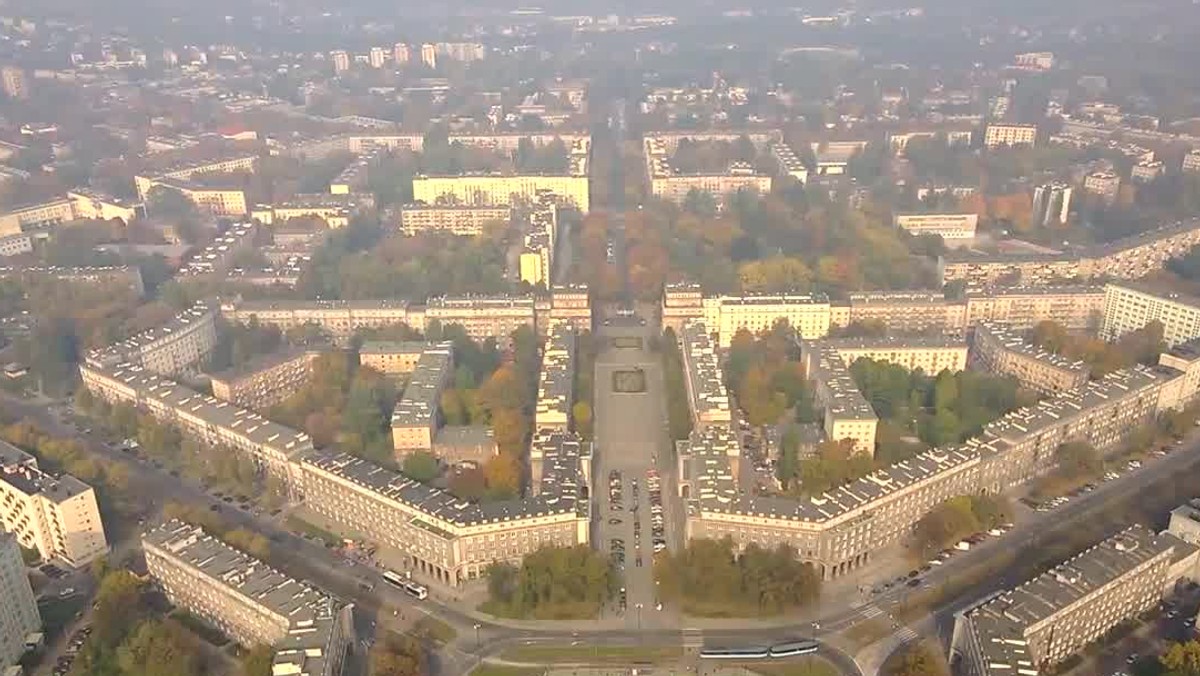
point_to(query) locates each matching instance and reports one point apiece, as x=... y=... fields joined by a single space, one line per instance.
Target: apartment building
x=215 y=423
x=682 y=302
x=441 y=536
x=931 y=354
x=955 y=229
x=249 y=601
x=570 y=306
x=556 y=381
x=999 y=349
x=790 y=164
x=55 y=514
x=1103 y=185
x=185 y=171
x=481 y=316
x=808 y=314
x=464 y=220
x=265 y=381
x=220 y=201
x=340 y=319
x=391 y=358
x=502 y=190
x=121 y=275
x=1009 y=135
x=536 y=259
x=847 y=416
x=1051 y=204
x=179 y=346
x=1129 y=306
x=1191 y=162
x=667 y=183
x=417 y=415
x=335 y=210
x=901 y=312
x=555 y=395
x=77 y=204
x=708 y=399
x=222 y=253
x=1077 y=307
x=1032 y=627
x=1127 y=258
x=19 y=618
x=839 y=530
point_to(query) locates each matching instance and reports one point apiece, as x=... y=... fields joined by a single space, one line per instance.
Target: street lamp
x=639 y=609
x=477 y=625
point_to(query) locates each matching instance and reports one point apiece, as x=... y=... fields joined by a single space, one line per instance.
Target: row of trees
x=130 y=639
x=711 y=578
x=552 y=583
x=1075 y=464
x=583 y=386
x=835 y=463
x=944 y=409
x=679 y=408
x=1136 y=347
x=956 y=519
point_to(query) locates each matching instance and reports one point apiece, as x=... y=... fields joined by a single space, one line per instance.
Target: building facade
x=19 y=617
x=266 y=381
x=55 y=514
x=1130 y=306
x=997 y=349
x=248 y=601
x=180 y=346
x=1032 y=627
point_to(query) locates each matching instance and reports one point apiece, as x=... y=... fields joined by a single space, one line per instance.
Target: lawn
x=592 y=654
x=804 y=666
x=433 y=629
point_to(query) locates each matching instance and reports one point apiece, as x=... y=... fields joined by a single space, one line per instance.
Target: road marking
x=871 y=611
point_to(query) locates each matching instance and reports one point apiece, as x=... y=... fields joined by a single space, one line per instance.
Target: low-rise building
x=252 y=603
x=707 y=398
x=930 y=354
x=955 y=229
x=57 y=515
x=998 y=349
x=1032 y=627
x=847 y=415
x=1010 y=135
x=466 y=220
x=391 y=358
x=266 y=381
x=417 y=415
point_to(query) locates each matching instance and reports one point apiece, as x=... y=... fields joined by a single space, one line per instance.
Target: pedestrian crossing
x=693 y=638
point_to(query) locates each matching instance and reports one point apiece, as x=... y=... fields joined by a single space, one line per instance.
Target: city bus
x=408 y=586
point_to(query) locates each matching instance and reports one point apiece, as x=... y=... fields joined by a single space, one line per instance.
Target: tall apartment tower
x=429 y=55
x=1051 y=204
x=12 y=81
x=377 y=56
x=401 y=54
x=18 y=609
x=341 y=61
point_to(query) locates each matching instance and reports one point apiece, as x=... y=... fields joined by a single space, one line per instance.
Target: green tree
x=919 y=660
x=422 y=466
x=398 y=655
x=160 y=648
x=257 y=661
